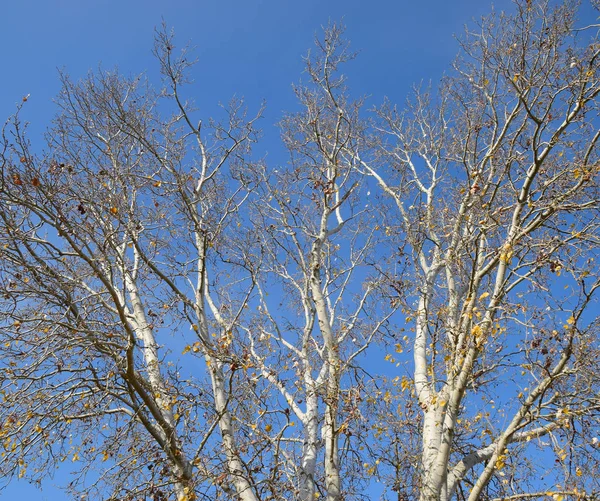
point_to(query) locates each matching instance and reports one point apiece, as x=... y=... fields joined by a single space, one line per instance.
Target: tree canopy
x=409 y=302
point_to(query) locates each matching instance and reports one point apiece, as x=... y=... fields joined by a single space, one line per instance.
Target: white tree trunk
x=332 y=467
x=235 y=466
x=310 y=447
x=333 y=482
x=181 y=469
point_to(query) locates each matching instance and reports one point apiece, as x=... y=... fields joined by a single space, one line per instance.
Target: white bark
x=181 y=468
x=330 y=435
x=237 y=472
x=310 y=447
x=235 y=466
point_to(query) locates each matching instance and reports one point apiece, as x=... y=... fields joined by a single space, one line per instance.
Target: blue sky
x=249 y=48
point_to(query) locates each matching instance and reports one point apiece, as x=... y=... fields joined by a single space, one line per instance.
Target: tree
x=495 y=188
x=317 y=245
x=181 y=320
x=106 y=246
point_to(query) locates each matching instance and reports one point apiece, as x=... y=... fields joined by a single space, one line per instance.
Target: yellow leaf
x=387 y=397
x=484 y=295
x=506 y=254
x=578 y=471
x=268 y=428
x=186 y=349
x=571 y=320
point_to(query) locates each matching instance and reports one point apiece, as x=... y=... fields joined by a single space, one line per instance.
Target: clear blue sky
x=248 y=48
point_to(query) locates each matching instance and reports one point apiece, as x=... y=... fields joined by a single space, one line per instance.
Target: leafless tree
x=318 y=238
x=109 y=248
x=494 y=184
x=180 y=319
